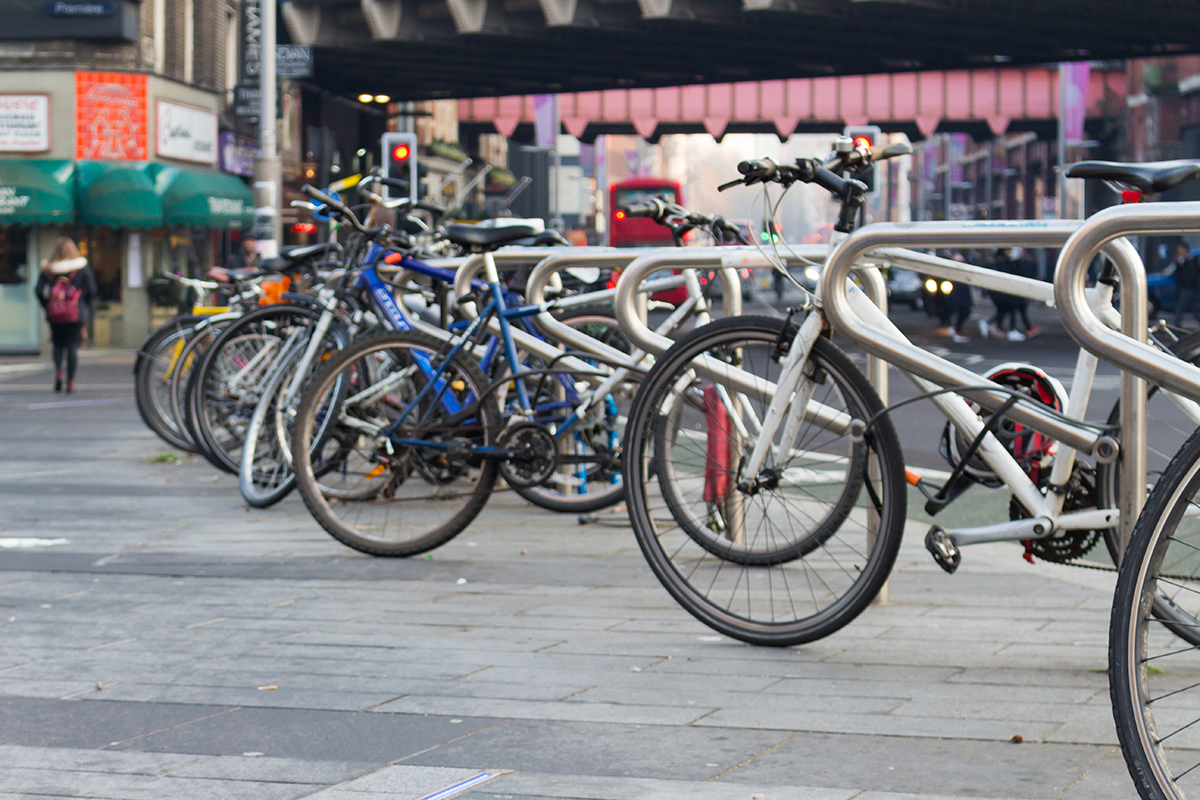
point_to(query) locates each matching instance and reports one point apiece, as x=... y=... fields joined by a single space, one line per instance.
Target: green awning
x=35 y=192
x=117 y=193
x=203 y=199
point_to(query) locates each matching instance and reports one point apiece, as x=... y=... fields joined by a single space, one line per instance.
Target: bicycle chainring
x=1062 y=547
x=535 y=458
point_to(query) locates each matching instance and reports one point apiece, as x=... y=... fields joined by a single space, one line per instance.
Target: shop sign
x=293 y=61
x=251 y=40
x=70 y=9
x=10 y=201
x=225 y=207
x=237 y=154
x=110 y=116
x=24 y=123
x=247 y=100
x=186 y=133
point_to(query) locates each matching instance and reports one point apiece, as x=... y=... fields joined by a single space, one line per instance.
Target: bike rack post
x=1126 y=349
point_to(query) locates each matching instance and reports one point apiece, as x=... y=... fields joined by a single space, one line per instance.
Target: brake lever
x=731 y=184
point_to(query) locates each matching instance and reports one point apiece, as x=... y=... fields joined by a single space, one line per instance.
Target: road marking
x=461 y=786
x=8 y=369
x=74 y=403
x=15 y=543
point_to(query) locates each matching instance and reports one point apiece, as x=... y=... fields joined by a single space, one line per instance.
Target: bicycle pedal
x=943 y=549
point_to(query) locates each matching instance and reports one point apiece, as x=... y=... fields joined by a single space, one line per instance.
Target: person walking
x=65 y=289
x=1187 y=276
x=960 y=303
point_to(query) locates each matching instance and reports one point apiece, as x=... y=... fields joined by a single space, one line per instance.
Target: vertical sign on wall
x=110 y=116
x=251 y=40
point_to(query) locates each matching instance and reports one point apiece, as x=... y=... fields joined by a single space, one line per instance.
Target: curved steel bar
x=727 y=259
x=890 y=344
x=1129 y=352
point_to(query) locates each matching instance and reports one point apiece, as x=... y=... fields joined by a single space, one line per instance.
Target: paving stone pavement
x=175 y=643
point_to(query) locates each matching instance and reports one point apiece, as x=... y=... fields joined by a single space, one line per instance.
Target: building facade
x=111 y=117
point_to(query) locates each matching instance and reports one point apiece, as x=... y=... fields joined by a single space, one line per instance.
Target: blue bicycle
x=399 y=441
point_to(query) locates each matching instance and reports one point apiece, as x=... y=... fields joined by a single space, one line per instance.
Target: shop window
x=14 y=254
x=102 y=248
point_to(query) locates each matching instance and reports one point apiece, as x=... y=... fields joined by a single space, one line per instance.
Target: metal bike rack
x=1127 y=349
x=541 y=277
x=874 y=241
x=725 y=259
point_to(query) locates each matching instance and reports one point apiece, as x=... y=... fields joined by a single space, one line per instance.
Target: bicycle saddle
x=487 y=238
x=1151 y=177
x=303 y=252
x=548 y=238
x=243 y=273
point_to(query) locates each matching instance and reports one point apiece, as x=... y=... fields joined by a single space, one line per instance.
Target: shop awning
x=117 y=193
x=203 y=199
x=36 y=192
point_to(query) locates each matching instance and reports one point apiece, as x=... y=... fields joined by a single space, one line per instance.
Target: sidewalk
x=160 y=639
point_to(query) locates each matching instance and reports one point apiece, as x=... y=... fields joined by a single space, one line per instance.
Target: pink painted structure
x=994 y=96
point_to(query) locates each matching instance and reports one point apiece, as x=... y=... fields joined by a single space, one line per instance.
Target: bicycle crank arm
x=945 y=545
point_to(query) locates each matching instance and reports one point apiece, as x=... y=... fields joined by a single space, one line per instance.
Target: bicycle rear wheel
x=158 y=360
x=790 y=555
x=1154 y=677
x=404 y=492
x=591 y=480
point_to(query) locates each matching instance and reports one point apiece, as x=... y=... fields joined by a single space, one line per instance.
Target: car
x=904 y=288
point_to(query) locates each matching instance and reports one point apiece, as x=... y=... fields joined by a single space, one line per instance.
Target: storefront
x=36 y=198
x=124 y=163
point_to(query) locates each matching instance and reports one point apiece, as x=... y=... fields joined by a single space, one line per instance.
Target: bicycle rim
x=797 y=556
x=371 y=491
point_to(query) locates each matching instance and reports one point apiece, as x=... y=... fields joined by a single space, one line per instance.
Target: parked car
x=904 y=288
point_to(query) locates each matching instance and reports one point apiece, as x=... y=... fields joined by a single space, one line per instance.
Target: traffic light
x=868 y=135
x=770 y=233
x=400 y=162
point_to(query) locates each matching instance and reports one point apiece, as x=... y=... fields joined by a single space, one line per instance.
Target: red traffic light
x=863 y=141
x=401 y=152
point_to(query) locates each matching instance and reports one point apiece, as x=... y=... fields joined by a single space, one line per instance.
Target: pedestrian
x=1022 y=266
x=1187 y=276
x=1004 y=302
x=960 y=304
x=65 y=289
x=244 y=256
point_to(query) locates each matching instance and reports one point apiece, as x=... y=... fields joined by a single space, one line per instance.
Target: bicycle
x=766 y=483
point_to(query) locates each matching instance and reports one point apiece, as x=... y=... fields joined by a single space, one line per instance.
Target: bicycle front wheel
x=799 y=550
x=396 y=473
x=1154 y=677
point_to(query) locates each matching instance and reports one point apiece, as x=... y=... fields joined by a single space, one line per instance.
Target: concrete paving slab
x=561 y=657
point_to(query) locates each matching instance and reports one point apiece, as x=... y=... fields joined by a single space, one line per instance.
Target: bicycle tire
x=683 y=552
x=166 y=341
x=217 y=412
x=1151 y=679
x=205 y=333
x=396 y=466
x=1166 y=432
x=591 y=435
x=265 y=474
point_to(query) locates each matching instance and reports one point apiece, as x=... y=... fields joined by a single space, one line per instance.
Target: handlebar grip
x=641 y=210
x=882 y=152
x=759 y=169
x=395 y=183
x=317 y=194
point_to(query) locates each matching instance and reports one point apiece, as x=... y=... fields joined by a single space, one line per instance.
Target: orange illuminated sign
x=110 y=116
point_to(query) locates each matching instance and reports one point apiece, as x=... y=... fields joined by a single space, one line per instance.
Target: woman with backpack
x=65 y=289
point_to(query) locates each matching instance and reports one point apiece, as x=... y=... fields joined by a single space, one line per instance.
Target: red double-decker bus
x=640 y=231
